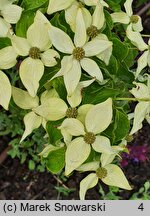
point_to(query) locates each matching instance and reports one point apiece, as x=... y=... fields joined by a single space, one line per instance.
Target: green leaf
x=109 y=20
x=132 y=53
x=31 y=5
x=4 y=42
x=58 y=85
x=122 y=125
x=59 y=21
x=119 y=128
x=53 y=132
x=113 y=65
x=114 y=4
x=125 y=74
x=48 y=74
x=120 y=49
x=56 y=160
x=23 y=24
x=31 y=165
x=96 y=94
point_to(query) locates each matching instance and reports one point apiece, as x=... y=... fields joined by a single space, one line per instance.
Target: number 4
x=141 y=207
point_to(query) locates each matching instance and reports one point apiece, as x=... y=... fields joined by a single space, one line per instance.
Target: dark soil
x=17 y=182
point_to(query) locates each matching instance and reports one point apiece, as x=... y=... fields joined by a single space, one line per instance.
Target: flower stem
x=134 y=99
x=145 y=35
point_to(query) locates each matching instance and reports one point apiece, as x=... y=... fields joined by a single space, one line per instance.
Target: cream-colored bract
x=11 y=14
x=128 y=17
x=97 y=120
x=5 y=90
x=7 y=60
x=142 y=109
x=144 y=60
x=136 y=38
x=7 y=57
x=37 y=47
x=25 y=101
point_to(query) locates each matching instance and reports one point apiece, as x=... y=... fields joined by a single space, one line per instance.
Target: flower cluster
x=72 y=73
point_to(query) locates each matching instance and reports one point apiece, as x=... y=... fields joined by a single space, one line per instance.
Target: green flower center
x=71 y=112
x=134 y=18
x=92 y=31
x=89 y=138
x=34 y=52
x=78 y=53
x=101 y=172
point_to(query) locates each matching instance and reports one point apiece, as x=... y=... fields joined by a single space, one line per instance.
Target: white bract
x=37 y=47
x=110 y=174
x=10 y=14
x=97 y=119
x=142 y=109
x=25 y=101
x=5 y=90
x=128 y=17
x=136 y=39
x=7 y=60
x=79 y=52
x=144 y=59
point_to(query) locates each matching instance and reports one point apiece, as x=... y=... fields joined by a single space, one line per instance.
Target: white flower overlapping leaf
x=57 y=108
x=128 y=17
x=97 y=119
x=71 y=8
x=109 y=173
x=142 y=109
x=37 y=47
x=79 y=54
x=25 y=101
x=10 y=15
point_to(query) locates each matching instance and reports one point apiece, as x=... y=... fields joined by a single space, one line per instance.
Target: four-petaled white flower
x=37 y=47
x=108 y=173
x=142 y=109
x=80 y=52
x=128 y=17
x=10 y=13
x=57 y=109
x=97 y=119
